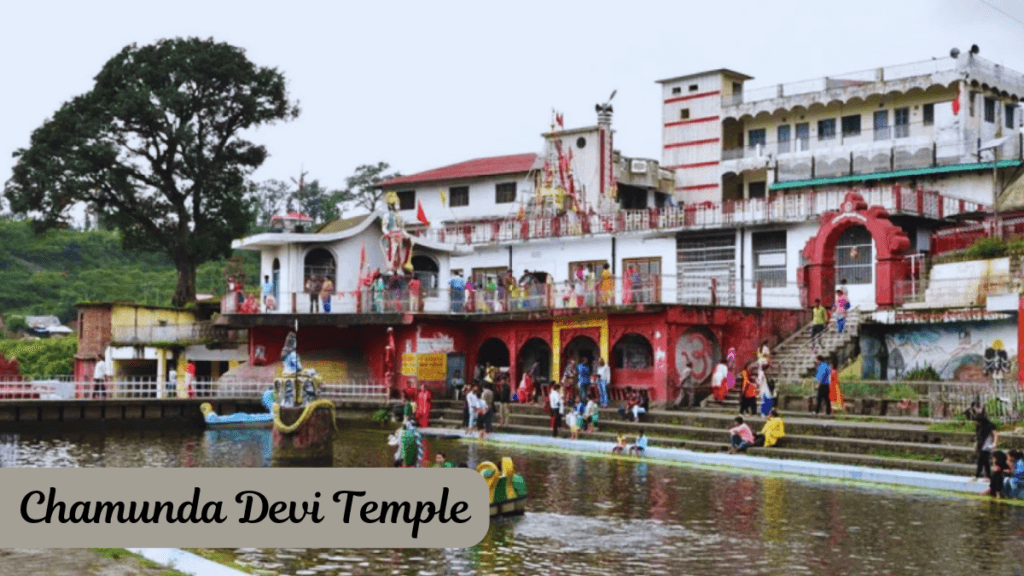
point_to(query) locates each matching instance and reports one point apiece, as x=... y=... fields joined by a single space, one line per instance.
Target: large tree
x=361 y=186
x=156 y=146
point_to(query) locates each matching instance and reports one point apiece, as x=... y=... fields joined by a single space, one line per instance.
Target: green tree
x=267 y=199
x=363 y=185
x=317 y=202
x=155 y=146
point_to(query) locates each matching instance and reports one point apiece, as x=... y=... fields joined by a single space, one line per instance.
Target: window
x=757 y=189
x=851 y=125
x=827 y=129
x=581 y=142
x=684 y=114
x=881 y=125
x=458 y=196
x=755 y=137
x=803 y=136
x=505 y=193
x=902 y=117
x=481 y=275
x=598 y=266
x=928 y=113
x=853 y=256
x=646 y=279
x=782 y=135
x=407 y=200
x=693 y=87
x=677 y=90
x=769 y=250
x=990 y=110
x=1008 y=115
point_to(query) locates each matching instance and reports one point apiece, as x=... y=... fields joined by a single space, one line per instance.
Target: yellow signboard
x=433 y=366
x=408 y=364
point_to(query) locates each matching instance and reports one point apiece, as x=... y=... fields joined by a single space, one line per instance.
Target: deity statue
x=395 y=242
x=290 y=355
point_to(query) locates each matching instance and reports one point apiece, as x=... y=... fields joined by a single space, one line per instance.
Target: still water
x=592 y=516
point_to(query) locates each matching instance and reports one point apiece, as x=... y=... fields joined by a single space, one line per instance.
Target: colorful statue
x=290 y=355
x=507 y=488
x=395 y=242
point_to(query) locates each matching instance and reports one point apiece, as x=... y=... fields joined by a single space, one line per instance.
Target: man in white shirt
x=685 y=387
x=99 y=378
x=604 y=377
x=555 y=404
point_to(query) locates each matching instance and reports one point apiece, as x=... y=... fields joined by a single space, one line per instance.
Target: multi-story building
x=764 y=201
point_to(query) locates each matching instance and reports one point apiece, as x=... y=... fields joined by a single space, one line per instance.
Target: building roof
x=930 y=171
x=342 y=224
x=724 y=71
x=493 y=166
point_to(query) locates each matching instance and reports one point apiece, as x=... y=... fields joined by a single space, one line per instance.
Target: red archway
x=818 y=277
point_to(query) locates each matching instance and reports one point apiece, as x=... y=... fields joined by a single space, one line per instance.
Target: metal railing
x=149 y=388
x=952 y=292
x=790 y=207
x=194 y=333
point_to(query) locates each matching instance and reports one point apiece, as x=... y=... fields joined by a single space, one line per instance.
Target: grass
x=221 y=556
x=906 y=455
x=123 y=554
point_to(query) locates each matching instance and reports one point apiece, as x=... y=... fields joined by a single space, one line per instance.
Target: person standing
x=504 y=398
x=604 y=376
x=487 y=411
x=764 y=355
x=555 y=407
x=268 y=294
x=767 y=394
x=748 y=401
x=458 y=292
x=99 y=378
x=819 y=319
x=985 y=442
x=415 y=302
x=685 y=387
x=326 y=290
x=313 y=289
x=424 y=405
x=718 y=381
x=607 y=286
x=839 y=311
x=172 y=383
x=823 y=377
x=583 y=378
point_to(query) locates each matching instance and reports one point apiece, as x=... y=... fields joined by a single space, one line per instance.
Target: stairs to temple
x=794 y=358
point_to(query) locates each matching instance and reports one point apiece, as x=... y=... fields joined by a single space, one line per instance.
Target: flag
x=956 y=102
x=444 y=196
x=558 y=119
x=362 y=260
x=421 y=215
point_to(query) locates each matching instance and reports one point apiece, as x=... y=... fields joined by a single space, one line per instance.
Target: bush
x=926 y=374
x=42 y=358
x=985 y=248
x=16 y=324
x=899 y=391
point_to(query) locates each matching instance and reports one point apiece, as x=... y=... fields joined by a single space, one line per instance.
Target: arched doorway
x=494 y=351
x=320 y=262
x=854 y=263
x=818 y=277
x=632 y=352
x=535 y=351
x=580 y=346
x=425 y=269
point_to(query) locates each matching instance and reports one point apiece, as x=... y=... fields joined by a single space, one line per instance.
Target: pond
x=589 y=515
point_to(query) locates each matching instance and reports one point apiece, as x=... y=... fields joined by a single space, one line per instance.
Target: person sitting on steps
x=640 y=446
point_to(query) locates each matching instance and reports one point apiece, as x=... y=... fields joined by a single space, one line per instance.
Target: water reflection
x=594 y=516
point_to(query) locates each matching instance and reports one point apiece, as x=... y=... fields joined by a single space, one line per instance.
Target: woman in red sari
x=423 y=406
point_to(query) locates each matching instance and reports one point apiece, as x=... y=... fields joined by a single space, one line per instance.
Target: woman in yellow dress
x=773 y=430
x=607 y=286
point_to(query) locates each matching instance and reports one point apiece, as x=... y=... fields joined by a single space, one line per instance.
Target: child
x=591 y=415
x=620 y=445
x=641 y=445
x=572 y=418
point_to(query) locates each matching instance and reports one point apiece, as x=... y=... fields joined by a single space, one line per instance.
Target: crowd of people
x=1003 y=470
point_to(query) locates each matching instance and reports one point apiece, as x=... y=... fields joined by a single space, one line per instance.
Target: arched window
x=854 y=256
x=633 y=352
x=320 y=263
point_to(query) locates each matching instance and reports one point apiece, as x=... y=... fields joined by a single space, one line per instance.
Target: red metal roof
x=492 y=166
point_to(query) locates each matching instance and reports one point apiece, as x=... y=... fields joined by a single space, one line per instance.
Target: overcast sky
x=425 y=84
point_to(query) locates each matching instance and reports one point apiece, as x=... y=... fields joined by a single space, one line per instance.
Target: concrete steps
x=794 y=358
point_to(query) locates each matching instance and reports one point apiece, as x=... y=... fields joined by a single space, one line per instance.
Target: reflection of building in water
x=254 y=447
x=9 y=450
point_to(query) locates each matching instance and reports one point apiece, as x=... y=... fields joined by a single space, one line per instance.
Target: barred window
x=853 y=256
x=505 y=193
x=769 y=250
x=458 y=196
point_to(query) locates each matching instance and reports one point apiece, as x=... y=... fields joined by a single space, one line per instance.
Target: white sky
x=425 y=84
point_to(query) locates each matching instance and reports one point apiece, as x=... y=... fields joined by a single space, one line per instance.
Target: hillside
x=50 y=273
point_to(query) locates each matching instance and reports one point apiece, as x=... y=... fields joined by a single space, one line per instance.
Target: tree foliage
x=41 y=358
x=155 y=146
x=361 y=186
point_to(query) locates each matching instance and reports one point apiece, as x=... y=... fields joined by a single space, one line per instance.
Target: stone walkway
x=820 y=470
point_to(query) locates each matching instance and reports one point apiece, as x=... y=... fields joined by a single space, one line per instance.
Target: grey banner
x=242 y=507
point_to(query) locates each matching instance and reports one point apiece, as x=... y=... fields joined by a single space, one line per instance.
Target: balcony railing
x=149 y=388
x=794 y=207
x=960 y=237
x=178 y=333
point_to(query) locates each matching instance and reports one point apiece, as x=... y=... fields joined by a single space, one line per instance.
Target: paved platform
x=819 y=470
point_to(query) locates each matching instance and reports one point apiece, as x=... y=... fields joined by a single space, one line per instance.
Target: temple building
x=764 y=201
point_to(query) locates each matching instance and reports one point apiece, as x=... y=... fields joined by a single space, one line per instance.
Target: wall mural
x=965 y=352
x=699 y=346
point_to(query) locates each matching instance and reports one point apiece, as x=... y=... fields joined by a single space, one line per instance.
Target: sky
x=426 y=84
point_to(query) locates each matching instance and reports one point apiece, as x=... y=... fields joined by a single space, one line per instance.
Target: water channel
x=591 y=516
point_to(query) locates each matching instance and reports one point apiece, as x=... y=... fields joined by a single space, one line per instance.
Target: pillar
x=182 y=371
x=161 y=372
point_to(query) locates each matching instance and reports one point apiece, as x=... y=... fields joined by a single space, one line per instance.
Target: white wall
x=481 y=199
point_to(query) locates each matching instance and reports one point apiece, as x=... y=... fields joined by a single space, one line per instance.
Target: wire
x=1004 y=12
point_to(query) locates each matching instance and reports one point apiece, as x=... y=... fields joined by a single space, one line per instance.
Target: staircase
x=794 y=358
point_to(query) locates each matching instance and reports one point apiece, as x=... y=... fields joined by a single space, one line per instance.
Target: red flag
x=362 y=260
x=558 y=119
x=956 y=102
x=421 y=215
